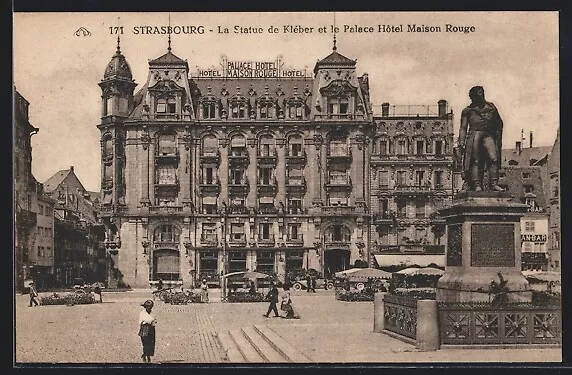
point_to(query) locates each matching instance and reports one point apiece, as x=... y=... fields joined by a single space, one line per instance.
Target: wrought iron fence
x=400 y=315
x=472 y=324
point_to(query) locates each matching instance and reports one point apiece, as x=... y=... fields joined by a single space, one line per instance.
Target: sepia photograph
x=251 y=188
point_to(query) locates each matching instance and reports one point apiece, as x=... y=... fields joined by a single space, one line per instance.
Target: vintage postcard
x=303 y=187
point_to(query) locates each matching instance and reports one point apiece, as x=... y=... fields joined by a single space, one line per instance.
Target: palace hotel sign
x=251 y=69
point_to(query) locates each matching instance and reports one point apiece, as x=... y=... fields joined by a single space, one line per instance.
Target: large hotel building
x=259 y=167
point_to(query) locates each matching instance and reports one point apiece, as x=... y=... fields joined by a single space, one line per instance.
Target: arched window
x=238 y=145
x=338 y=146
x=166 y=233
x=295 y=145
x=166 y=264
x=167 y=144
x=338 y=233
x=210 y=145
x=267 y=146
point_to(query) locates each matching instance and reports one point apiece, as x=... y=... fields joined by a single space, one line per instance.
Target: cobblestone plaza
x=328 y=331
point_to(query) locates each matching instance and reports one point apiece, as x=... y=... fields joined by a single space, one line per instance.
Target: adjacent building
x=33 y=221
x=78 y=247
x=252 y=167
x=411 y=177
x=552 y=191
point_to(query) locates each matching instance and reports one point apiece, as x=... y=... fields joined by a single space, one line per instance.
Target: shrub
x=351 y=296
x=416 y=294
x=245 y=297
x=69 y=299
x=545 y=299
x=181 y=298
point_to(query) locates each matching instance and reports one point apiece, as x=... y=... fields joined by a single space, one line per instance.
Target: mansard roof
x=169 y=59
x=334 y=59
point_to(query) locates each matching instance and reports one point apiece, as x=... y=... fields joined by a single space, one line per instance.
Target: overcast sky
x=514 y=55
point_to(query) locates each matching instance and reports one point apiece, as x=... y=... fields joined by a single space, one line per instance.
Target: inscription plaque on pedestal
x=454 y=245
x=492 y=245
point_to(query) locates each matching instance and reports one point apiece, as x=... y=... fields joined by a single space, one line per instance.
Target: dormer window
x=238 y=110
x=338 y=106
x=209 y=110
x=266 y=109
x=296 y=110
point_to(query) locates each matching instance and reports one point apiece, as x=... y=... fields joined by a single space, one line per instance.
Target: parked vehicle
x=320 y=283
x=79 y=283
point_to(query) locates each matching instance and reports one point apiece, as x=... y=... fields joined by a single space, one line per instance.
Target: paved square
x=328 y=331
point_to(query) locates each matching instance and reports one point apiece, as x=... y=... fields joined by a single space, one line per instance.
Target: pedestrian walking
x=147 y=323
x=252 y=288
x=33 y=295
x=308 y=283
x=97 y=291
x=204 y=291
x=313 y=283
x=286 y=305
x=272 y=297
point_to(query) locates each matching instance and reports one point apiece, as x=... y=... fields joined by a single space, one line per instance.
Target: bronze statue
x=480 y=140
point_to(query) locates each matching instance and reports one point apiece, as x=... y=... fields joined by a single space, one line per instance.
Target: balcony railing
x=210 y=157
x=267 y=210
x=165 y=245
x=332 y=245
x=269 y=158
x=269 y=241
x=213 y=186
x=412 y=189
x=165 y=209
x=241 y=241
x=339 y=157
x=209 y=239
x=237 y=209
x=298 y=241
x=338 y=210
x=345 y=183
x=167 y=183
x=167 y=156
x=239 y=157
x=296 y=159
x=272 y=186
x=385 y=217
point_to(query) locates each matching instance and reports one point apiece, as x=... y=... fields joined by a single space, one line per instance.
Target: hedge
x=245 y=297
x=69 y=299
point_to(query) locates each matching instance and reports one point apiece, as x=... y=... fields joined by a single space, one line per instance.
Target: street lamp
x=224 y=267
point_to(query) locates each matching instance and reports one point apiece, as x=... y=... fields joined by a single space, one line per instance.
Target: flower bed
x=416 y=294
x=351 y=296
x=69 y=299
x=181 y=298
x=245 y=297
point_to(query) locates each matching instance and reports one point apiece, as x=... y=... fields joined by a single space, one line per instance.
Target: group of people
x=285 y=305
x=148 y=322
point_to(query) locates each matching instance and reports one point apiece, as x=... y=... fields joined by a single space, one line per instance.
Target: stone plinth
x=483 y=239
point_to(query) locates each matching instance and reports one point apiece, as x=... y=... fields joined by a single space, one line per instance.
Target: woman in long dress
x=147 y=324
x=286 y=304
x=204 y=291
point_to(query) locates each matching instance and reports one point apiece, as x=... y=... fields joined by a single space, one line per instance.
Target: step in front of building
x=258 y=344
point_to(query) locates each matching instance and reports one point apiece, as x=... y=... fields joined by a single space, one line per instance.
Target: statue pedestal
x=483 y=239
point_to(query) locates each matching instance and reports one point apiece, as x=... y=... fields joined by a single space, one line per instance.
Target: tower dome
x=118 y=66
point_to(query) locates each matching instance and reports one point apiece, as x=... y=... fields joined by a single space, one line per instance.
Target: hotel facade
x=252 y=167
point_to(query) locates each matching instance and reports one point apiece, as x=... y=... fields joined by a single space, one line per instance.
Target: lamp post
x=224 y=267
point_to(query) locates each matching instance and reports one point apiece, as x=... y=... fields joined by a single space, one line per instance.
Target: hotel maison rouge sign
x=251 y=69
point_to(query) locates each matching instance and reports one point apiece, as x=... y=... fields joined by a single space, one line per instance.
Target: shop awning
x=422 y=260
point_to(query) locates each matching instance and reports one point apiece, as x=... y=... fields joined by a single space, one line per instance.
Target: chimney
x=531 y=139
x=519 y=147
x=442 y=107
x=71 y=168
x=385 y=110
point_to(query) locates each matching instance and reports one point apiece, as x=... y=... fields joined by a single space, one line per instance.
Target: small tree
x=499 y=291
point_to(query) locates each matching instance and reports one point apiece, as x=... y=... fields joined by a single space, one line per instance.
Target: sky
x=513 y=55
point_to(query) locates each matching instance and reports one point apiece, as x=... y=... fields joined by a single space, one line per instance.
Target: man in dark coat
x=272 y=297
x=480 y=142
